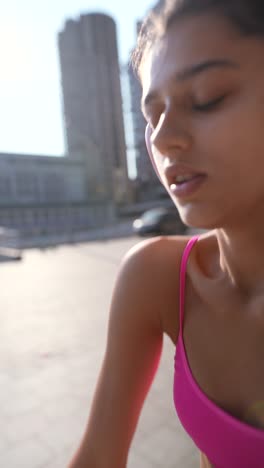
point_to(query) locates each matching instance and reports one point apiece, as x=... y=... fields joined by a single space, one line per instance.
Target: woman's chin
x=197 y=219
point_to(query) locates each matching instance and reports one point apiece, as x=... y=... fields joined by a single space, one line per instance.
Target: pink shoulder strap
x=184 y=261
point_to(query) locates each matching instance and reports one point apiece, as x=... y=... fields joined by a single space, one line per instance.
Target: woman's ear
x=148 y=133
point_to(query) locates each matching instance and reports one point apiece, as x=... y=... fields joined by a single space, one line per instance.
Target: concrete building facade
x=42 y=195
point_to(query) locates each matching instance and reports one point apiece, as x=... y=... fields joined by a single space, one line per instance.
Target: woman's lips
x=182 y=179
x=185 y=189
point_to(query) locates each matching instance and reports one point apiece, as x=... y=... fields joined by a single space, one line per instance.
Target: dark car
x=159 y=221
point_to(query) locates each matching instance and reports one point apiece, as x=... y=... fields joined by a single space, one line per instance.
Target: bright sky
x=30 y=96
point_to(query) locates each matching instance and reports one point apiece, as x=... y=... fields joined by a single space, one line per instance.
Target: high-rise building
x=92 y=102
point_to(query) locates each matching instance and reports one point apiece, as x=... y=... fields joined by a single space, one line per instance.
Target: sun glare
x=16 y=53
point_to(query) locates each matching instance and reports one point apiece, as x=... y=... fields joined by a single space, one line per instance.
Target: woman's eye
x=207 y=106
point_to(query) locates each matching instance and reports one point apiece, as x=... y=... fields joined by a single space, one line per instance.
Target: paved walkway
x=54 y=309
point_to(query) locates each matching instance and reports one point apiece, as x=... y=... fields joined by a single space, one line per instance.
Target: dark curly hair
x=246 y=15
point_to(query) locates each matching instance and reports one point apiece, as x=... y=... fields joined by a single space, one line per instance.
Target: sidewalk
x=119 y=230
x=54 y=309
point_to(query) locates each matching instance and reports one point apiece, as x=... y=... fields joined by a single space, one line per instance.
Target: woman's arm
x=131 y=359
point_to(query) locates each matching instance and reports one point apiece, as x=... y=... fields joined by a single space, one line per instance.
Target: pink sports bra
x=226 y=441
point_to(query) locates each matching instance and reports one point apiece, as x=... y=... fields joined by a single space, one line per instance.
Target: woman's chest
x=225 y=352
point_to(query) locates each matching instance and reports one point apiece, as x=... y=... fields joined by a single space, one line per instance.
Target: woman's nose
x=171 y=134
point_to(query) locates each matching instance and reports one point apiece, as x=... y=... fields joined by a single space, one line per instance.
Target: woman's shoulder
x=152 y=269
x=155 y=266
x=161 y=253
x=157 y=254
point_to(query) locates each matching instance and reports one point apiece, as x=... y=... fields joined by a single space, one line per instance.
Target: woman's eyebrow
x=190 y=72
x=201 y=67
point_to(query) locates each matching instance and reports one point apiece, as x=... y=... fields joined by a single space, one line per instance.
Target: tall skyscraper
x=92 y=102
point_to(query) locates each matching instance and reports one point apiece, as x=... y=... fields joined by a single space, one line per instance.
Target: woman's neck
x=242 y=258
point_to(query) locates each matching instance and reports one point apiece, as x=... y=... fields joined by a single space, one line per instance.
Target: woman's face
x=203 y=96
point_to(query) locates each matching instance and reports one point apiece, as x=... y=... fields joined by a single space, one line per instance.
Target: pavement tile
x=192 y=460
x=137 y=460
x=29 y=453
x=20 y=428
x=164 y=446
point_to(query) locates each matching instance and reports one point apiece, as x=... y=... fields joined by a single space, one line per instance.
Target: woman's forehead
x=189 y=41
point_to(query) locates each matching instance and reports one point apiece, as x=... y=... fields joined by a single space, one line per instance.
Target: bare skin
x=224 y=311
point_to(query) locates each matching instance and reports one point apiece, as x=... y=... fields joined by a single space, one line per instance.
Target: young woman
x=201 y=65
